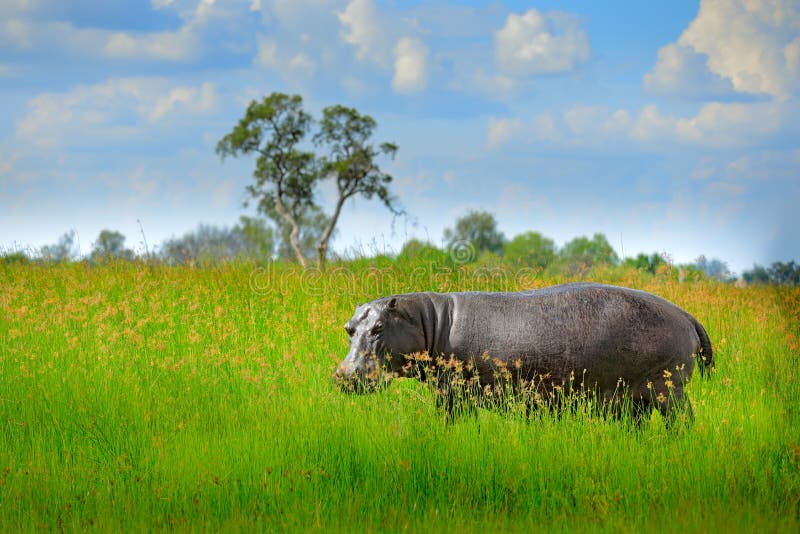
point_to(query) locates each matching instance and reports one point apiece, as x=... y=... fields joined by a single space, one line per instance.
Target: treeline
x=474 y=239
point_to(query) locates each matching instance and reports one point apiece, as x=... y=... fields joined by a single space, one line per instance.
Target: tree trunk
x=294 y=240
x=322 y=248
x=294 y=235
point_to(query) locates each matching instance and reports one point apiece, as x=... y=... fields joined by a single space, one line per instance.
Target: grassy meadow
x=141 y=397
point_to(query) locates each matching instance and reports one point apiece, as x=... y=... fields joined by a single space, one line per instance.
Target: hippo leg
x=444 y=401
x=676 y=408
x=455 y=400
x=454 y=405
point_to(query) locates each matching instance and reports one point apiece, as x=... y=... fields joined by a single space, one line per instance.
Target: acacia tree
x=284 y=175
x=351 y=163
x=312 y=223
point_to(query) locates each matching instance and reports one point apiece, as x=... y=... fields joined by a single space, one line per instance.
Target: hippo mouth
x=359 y=383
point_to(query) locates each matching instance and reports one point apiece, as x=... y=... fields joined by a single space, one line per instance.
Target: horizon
x=657 y=125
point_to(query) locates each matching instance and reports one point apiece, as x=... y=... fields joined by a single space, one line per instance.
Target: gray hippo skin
x=605 y=339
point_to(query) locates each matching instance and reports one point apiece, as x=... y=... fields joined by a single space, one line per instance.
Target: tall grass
x=143 y=396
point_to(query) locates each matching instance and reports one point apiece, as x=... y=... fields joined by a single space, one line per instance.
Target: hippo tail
x=705 y=354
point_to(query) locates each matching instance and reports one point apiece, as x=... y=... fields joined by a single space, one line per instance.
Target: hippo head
x=381 y=333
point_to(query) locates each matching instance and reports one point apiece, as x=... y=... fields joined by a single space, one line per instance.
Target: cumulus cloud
x=112 y=109
x=716 y=124
x=410 y=64
x=363 y=29
x=681 y=70
x=300 y=41
x=535 y=43
x=753 y=46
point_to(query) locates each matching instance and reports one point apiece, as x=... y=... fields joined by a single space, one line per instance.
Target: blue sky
x=669 y=126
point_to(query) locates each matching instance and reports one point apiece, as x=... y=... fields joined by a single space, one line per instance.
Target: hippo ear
x=393 y=303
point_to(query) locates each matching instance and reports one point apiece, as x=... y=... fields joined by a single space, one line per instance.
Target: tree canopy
x=64 y=250
x=110 y=244
x=531 y=249
x=287 y=174
x=582 y=252
x=479 y=230
x=209 y=244
x=350 y=162
x=713 y=268
x=646 y=263
x=284 y=174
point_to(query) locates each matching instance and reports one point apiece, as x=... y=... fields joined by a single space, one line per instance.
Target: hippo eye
x=376 y=328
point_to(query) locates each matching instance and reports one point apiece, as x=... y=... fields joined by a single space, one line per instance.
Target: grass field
x=141 y=397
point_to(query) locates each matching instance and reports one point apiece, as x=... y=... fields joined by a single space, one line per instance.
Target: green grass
x=140 y=397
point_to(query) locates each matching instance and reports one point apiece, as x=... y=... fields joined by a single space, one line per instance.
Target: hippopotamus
x=613 y=342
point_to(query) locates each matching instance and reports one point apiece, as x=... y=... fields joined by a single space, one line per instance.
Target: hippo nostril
x=344 y=371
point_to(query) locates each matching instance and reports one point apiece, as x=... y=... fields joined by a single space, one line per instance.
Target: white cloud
x=16 y=33
x=752 y=45
x=302 y=64
x=176 y=45
x=502 y=130
x=172 y=46
x=595 y=122
x=579 y=125
x=681 y=70
x=536 y=43
x=7 y=165
x=204 y=9
x=545 y=128
x=16 y=7
x=410 y=64
x=195 y=100
x=109 y=110
x=716 y=124
x=267 y=55
x=300 y=40
x=141 y=184
x=363 y=29
x=497 y=85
